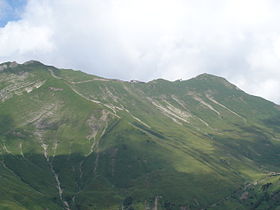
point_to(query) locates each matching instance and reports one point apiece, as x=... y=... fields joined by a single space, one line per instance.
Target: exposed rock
x=55 y=89
x=30 y=62
x=13 y=64
x=244 y=196
x=170 y=111
x=3 y=67
x=204 y=103
x=136 y=81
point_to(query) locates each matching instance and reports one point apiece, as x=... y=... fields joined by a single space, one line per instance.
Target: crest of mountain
x=70 y=140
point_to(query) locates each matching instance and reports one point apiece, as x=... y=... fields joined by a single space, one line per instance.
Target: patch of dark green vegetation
x=74 y=140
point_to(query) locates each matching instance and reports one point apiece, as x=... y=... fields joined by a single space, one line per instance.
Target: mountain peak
x=206 y=76
x=6 y=65
x=32 y=62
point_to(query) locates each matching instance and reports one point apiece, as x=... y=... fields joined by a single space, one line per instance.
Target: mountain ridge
x=97 y=143
x=12 y=64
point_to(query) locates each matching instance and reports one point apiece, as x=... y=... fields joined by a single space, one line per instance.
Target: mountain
x=70 y=140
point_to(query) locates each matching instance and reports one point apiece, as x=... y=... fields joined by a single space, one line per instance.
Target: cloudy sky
x=148 y=39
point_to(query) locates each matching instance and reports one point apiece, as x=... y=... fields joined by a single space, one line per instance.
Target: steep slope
x=69 y=140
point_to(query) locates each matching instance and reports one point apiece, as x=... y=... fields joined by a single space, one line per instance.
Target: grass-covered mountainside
x=69 y=140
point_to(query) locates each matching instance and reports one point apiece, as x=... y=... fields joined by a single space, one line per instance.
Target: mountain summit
x=70 y=140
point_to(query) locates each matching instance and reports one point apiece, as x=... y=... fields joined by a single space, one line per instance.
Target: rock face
x=69 y=140
x=8 y=65
x=3 y=67
x=13 y=64
x=31 y=62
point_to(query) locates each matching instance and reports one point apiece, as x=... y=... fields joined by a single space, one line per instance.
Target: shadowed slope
x=69 y=140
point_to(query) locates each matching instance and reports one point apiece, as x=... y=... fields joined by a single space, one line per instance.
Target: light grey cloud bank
x=148 y=39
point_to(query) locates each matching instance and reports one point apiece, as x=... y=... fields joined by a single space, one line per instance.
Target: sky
x=149 y=39
x=10 y=10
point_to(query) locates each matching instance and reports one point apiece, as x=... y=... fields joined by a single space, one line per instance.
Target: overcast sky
x=148 y=39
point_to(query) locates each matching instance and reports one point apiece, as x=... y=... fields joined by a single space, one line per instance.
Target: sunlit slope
x=70 y=140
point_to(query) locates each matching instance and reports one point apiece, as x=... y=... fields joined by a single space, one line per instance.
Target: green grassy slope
x=69 y=140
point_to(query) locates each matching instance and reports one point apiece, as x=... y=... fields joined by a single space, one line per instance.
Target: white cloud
x=22 y=38
x=147 y=39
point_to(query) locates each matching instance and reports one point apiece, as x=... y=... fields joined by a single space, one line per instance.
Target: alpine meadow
x=71 y=140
